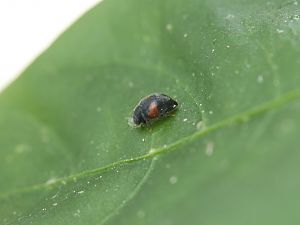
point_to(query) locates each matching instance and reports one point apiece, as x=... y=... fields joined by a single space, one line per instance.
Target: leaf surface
x=228 y=156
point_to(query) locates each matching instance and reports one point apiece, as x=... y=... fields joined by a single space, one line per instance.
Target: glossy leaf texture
x=229 y=155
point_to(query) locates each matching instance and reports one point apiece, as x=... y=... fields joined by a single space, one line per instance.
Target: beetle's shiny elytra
x=153 y=107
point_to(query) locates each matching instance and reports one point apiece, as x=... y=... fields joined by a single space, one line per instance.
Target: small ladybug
x=152 y=107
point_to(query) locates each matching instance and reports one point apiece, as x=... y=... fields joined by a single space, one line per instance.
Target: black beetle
x=153 y=107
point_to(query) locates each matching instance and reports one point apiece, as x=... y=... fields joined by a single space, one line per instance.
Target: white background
x=27 y=27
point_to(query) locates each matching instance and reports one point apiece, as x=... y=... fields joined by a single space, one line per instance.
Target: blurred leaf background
x=229 y=155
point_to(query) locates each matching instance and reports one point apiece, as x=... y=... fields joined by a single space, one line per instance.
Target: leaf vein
x=236 y=119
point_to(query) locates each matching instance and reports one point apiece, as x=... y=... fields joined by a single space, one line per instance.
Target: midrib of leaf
x=153 y=152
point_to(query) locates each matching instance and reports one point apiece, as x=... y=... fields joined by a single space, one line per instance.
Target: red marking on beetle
x=153 y=110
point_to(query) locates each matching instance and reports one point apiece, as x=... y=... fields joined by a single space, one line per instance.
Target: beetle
x=153 y=107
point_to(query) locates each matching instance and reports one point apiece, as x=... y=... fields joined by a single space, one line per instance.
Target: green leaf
x=228 y=156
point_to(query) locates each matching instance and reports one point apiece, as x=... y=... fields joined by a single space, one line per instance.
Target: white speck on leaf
x=185 y=35
x=54 y=196
x=77 y=213
x=185 y=119
x=209 y=150
x=152 y=150
x=230 y=16
x=22 y=148
x=279 y=31
x=296 y=17
x=169 y=27
x=130 y=122
x=63 y=182
x=260 y=79
x=200 y=125
x=130 y=84
x=173 y=180
x=51 y=181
